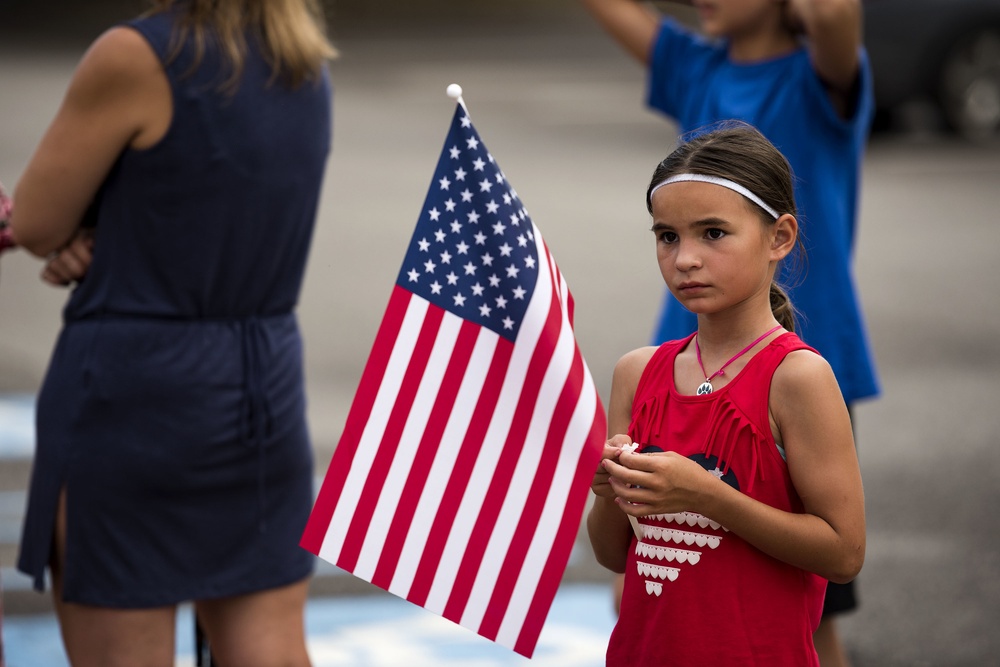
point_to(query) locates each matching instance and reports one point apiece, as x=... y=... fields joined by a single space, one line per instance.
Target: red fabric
x=694 y=593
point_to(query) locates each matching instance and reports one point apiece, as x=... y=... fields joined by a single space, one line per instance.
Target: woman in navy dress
x=173 y=460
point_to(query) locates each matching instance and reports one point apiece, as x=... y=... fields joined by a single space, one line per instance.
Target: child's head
x=737 y=152
x=738 y=157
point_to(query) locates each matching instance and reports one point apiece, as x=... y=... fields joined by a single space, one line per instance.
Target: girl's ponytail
x=782 y=308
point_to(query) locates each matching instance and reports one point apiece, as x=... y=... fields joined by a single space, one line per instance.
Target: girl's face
x=713 y=249
x=733 y=18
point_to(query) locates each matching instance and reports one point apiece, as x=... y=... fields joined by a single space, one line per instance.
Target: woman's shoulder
x=121 y=80
x=120 y=55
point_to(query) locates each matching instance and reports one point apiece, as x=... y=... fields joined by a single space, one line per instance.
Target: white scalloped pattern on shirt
x=660 y=544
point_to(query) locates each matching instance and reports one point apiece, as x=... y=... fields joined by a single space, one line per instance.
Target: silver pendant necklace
x=706 y=386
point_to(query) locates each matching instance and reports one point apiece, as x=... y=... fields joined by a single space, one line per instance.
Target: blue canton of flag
x=473 y=252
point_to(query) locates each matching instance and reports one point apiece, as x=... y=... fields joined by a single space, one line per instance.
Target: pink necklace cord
x=709 y=378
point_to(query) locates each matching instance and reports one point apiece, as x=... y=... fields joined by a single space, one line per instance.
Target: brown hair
x=740 y=153
x=292 y=34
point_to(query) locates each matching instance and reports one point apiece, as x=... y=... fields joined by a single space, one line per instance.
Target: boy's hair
x=292 y=34
x=738 y=152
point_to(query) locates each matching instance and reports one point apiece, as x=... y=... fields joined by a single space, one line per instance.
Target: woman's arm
x=608 y=527
x=829 y=537
x=118 y=97
x=631 y=24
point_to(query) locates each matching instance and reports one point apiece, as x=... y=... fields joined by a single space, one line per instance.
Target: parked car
x=944 y=51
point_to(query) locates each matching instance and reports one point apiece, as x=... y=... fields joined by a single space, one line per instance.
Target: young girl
x=797 y=71
x=744 y=495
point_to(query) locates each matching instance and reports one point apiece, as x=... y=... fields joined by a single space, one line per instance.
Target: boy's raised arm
x=632 y=24
x=833 y=28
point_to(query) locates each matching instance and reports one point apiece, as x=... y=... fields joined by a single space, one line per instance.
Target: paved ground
x=560 y=108
x=353 y=632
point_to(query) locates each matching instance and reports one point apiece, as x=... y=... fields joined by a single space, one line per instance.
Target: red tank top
x=695 y=594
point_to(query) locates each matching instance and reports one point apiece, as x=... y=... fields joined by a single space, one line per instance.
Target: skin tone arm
x=632 y=25
x=118 y=98
x=608 y=527
x=810 y=415
x=833 y=29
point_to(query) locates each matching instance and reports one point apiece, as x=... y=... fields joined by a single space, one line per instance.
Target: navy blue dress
x=173 y=410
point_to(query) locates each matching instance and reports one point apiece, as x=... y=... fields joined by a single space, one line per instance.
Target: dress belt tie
x=256 y=422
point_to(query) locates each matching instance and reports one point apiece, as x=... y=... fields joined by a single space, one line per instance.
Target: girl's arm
x=632 y=24
x=809 y=412
x=812 y=420
x=608 y=527
x=118 y=97
x=833 y=28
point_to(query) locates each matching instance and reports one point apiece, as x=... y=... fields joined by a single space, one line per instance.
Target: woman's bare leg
x=263 y=629
x=108 y=637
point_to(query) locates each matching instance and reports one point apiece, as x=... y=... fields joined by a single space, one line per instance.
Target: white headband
x=715 y=180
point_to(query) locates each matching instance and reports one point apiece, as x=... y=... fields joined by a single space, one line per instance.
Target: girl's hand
x=658 y=483
x=70 y=264
x=612 y=450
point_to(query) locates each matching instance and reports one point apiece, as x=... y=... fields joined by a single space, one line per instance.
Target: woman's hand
x=70 y=264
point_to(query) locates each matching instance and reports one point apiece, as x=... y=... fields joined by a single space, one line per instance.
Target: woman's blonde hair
x=292 y=34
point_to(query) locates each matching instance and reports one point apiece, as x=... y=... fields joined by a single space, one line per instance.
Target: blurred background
x=561 y=108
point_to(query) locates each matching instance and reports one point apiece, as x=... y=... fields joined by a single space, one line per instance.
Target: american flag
x=462 y=473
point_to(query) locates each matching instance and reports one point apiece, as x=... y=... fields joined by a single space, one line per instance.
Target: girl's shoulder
x=641 y=357
x=632 y=364
x=648 y=362
x=801 y=377
x=802 y=362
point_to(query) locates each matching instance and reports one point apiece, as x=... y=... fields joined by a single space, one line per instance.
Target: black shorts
x=839 y=599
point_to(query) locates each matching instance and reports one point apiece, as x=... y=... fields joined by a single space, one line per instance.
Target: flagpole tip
x=454 y=91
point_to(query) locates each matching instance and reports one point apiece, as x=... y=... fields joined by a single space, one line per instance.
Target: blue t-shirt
x=693 y=81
